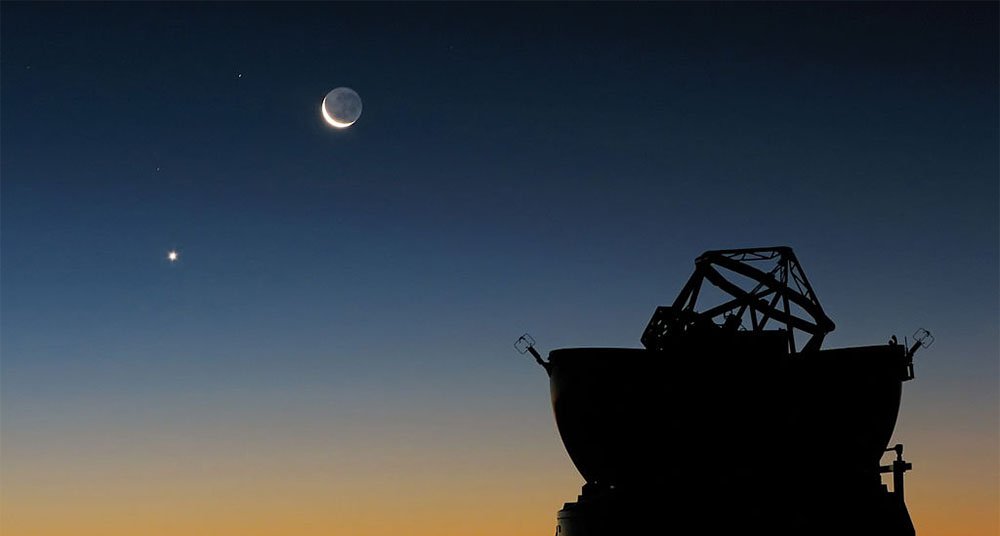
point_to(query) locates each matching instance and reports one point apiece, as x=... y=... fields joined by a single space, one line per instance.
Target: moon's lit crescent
x=333 y=122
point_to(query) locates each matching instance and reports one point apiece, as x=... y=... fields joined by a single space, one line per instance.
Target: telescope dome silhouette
x=721 y=407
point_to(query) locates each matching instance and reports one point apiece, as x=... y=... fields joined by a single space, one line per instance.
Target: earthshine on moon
x=341 y=107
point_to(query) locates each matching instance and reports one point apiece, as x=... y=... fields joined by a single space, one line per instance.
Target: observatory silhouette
x=732 y=418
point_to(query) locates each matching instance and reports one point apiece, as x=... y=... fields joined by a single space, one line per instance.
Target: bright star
x=172 y=256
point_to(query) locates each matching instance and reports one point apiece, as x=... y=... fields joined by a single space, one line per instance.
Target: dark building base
x=611 y=513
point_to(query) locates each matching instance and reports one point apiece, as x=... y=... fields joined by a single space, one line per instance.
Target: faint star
x=239 y=75
x=172 y=255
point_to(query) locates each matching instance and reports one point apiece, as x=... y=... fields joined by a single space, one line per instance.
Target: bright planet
x=341 y=107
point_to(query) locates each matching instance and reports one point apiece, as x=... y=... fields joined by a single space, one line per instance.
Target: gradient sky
x=333 y=352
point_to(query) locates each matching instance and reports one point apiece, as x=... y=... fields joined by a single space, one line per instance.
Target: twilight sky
x=333 y=352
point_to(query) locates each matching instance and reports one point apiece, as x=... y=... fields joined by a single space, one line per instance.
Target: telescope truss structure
x=779 y=294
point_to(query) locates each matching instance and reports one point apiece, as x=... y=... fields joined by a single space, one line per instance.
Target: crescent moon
x=333 y=122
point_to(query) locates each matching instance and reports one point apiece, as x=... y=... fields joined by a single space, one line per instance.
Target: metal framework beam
x=777 y=290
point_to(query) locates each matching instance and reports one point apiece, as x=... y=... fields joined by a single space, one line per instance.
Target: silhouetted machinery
x=722 y=424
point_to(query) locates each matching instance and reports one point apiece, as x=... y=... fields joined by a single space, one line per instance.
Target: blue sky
x=553 y=169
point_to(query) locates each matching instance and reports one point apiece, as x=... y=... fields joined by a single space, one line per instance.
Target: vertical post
x=899 y=468
x=897 y=480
